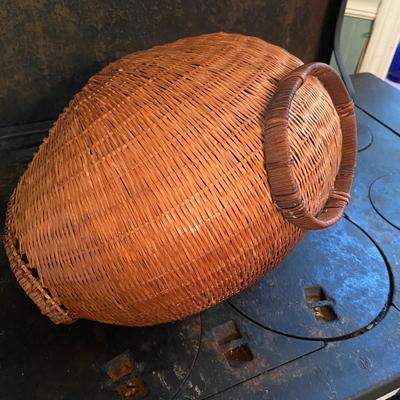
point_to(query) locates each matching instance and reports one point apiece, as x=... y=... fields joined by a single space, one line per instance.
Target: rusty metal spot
x=233 y=344
x=238 y=355
x=134 y=389
x=226 y=332
x=119 y=367
x=325 y=313
x=320 y=304
x=314 y=293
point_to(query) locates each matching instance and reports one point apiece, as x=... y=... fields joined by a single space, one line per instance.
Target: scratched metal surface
x=363 y=367
x=49 y=48
x=338 y=271
x=379 y=160
x=233 y=350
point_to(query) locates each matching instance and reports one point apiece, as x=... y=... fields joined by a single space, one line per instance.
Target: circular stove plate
x=384 y=194
x=333 y=284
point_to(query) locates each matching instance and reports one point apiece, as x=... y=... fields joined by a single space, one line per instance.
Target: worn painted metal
x=313 y=295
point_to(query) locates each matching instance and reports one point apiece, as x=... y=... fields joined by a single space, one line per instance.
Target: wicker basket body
x=178 y=176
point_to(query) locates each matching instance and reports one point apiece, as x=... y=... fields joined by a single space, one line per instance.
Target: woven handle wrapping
x=278 y=159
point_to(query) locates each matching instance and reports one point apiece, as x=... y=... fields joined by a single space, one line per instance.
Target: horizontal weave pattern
x=149 y=200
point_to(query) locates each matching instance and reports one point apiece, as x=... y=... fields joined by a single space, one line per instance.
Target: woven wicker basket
x=152 y=197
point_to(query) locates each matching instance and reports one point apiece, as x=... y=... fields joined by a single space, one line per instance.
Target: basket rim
x=285 y=190
x=29 y=283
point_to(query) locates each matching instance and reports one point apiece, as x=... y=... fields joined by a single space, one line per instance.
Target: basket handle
x=278 y=160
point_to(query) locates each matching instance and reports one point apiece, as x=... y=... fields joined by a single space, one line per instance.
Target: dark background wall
x=49 y=48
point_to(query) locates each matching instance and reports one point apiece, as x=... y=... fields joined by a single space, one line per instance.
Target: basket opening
x=24 y=258
x=34 y=272
x=28 y=276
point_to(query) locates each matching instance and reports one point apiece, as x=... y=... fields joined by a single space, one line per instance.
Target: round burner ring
x=334 y=284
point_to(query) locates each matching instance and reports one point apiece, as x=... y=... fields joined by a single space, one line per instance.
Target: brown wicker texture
x=151 y=198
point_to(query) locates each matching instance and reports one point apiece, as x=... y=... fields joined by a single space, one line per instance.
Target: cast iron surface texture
x=364 y=367
x=220 y=354
x=233 y=350
x=49 y=49
x=313 y=295
x=379 y=164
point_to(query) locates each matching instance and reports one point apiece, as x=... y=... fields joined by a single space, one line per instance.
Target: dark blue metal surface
x=378 y=99
x=357 y=368
x=339 y=269
x=379 y=160
x=218 y=367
